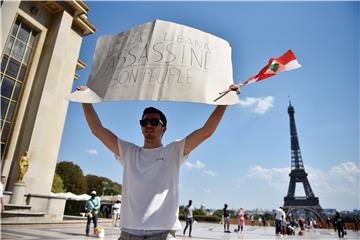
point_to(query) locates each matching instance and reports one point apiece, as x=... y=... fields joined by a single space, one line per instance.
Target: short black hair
x=155 y=110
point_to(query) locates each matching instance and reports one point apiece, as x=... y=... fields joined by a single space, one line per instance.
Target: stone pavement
x=201 y=231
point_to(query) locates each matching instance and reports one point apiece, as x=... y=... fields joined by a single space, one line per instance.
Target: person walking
x=116 y=212
x=340 y=225
x=226 y=217
x=189 y=217
x=92 y=207
x=240 y=220
x=279 y=218
x=2 y=187
x=151 y=173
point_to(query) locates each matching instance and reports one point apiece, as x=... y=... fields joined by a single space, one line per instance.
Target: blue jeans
x=189 y=222
x=277 y=226
x=95 y=221
x=341 y=231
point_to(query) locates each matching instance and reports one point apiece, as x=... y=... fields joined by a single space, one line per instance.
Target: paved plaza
x=205 y=231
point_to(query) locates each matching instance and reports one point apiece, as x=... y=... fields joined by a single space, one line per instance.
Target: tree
x=199 y=212
x=72 y=176
x=58 y=184
x=220 y=212
x=103 y=185
x=94 y=183
x=110 y=187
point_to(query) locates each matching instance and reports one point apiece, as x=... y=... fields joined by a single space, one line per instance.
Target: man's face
x=3 y=180
x=151 y=130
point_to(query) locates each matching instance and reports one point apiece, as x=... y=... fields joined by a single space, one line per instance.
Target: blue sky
x=247 y=161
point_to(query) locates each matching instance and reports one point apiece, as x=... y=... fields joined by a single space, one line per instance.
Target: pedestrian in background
x=226 y=217
x=116 y=212
x=92 y=207
x=240 y=220
x=340 y=225
x=2 y=187
x=189 y=217
x=279 y=218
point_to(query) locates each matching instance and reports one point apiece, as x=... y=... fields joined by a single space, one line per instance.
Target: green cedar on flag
x=284 y=63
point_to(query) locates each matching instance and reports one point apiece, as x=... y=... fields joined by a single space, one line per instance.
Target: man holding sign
x=156 y=61
x=151 y=172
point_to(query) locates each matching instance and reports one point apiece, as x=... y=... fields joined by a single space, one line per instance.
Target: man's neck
x=152 y=144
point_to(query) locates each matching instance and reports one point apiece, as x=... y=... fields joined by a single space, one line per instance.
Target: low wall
x=38 y=208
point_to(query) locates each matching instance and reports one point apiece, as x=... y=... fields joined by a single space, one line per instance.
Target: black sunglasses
x=153 y=122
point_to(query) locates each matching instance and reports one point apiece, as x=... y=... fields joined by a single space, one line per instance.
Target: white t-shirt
x=150 y=194
x=189 y=212
x=1 y=190
x=116 y=208
x=279 y=214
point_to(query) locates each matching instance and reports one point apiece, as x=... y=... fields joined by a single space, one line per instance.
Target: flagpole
x=286 y=60
x=226 y=92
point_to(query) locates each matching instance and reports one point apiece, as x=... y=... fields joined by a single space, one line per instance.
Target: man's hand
x=235 y=87
x=232 y=87
x=81 y=88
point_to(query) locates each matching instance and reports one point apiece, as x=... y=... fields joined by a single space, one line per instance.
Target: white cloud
x=268 y=174
x=209 y=173
x=200 y=165
x=92 y=151
x=258 y=105
x=196 y=165
x=348 y=171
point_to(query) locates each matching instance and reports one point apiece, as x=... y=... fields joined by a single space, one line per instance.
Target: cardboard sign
x=160 y=61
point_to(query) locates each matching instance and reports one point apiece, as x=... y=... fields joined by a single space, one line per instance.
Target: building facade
x=40 y=45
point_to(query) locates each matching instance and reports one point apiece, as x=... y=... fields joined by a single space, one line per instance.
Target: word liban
x=160 y=61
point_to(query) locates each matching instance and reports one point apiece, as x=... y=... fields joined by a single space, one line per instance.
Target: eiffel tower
x=292 y=203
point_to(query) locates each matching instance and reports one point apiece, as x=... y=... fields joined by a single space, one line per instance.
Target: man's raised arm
x=197 y=137
x=103 y=134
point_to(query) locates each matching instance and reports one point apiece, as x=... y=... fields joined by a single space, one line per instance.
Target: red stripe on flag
x=287 y=57
x=282 y=60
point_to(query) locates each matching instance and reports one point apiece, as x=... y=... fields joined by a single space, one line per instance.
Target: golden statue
x=23 y=165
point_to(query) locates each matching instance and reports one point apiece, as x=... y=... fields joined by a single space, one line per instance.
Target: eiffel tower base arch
x=294 y=205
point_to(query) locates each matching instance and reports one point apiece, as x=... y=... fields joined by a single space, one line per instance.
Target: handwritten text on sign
x=161 y=61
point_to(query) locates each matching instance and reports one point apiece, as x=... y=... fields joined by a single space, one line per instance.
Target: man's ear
x=164 y=129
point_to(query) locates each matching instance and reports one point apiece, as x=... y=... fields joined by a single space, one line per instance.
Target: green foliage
x=58 y=184
x=268 y=216
x=211 y=218
x=103 y=185
x=69 y=177
x=72 y=176
x=94 y=183
x=219 y=213
x=110 y=187
x=199 y=212
x=181 y=211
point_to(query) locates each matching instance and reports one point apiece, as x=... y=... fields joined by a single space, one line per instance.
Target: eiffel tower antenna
x=293 y=203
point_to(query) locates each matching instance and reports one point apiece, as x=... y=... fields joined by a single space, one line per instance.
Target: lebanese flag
x=284 y=63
